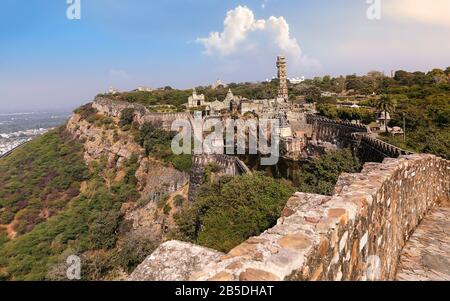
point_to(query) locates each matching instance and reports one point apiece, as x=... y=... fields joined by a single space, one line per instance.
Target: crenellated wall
x=334 y=131
x=355 y=136
x=375 y=150
x=356 y=234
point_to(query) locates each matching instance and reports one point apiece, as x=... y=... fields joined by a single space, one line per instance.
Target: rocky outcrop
x=174 y=261
x=99 y=142
x=164 y=180
x=155 y=180
x=356 y=234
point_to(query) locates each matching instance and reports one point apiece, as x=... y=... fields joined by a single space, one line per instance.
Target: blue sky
x=48 y=62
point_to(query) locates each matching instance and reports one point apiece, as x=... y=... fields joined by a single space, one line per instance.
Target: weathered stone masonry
x=356 y=136
x=371 y=215
x=113 y=108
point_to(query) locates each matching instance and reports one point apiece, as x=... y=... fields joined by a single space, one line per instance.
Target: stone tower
x=282 y=79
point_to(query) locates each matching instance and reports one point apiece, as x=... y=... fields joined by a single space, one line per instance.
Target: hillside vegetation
x=422 y=98
x=52 y=205
x=39 y=179
x=230 y=210
x=88 y=223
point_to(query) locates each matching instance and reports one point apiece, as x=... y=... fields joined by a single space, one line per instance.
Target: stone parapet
x=173 y=261
x=356 y=234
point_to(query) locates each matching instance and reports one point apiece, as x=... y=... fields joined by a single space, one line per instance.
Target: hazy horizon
x=49 y=62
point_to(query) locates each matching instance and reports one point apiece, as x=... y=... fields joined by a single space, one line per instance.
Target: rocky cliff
x=156 y=180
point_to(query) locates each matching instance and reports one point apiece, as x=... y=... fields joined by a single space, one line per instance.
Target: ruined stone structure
x=356 y=234
x=356 y=136
x=229 y=165
x=334 y=131
x=196 y=100
x=282 y=79
x=113 y=108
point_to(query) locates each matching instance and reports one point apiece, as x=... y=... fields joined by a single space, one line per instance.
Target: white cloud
x=433 y=12
x=243 y=33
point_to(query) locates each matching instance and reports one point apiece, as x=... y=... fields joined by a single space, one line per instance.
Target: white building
x=196 y=100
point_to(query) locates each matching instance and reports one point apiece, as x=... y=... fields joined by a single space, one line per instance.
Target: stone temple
x=262 y=108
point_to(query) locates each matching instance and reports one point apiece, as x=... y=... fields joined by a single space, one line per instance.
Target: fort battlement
x=356 y=234
x=355 y=136
x=373 y=149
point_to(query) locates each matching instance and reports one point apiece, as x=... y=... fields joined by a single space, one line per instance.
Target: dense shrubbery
x=86 y=111
x=229 y=211
x=330 y=111
x=133 y=250
x=126 y=117
x=91 y=115
x=88 y=226
x=39 y=179
x=157 y=97
x=320 y=175
x=157 y=143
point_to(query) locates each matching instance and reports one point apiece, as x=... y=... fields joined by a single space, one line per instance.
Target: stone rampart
x=373 y=149
x=113 y=108
x=356 y=234
x=355 y=136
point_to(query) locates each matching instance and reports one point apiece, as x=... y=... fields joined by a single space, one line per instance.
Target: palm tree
x=387 y=105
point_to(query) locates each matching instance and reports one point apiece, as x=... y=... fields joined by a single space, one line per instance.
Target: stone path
x=426 y=256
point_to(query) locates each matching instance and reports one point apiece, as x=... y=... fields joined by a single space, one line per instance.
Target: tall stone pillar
x=282 y=79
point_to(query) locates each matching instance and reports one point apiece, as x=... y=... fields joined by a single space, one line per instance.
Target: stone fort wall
x=356 y=136
x=356 y=234
x=113 y=108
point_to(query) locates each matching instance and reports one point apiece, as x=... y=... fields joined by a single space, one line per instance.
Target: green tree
x=229 y=211
x=312 y=94
x=387 y=105
x=126 y=117
x=447 y=71
x=320 y=175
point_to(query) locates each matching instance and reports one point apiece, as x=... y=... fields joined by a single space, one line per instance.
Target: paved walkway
x=426 y=256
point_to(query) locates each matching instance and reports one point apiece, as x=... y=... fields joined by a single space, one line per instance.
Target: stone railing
x=356 y=234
